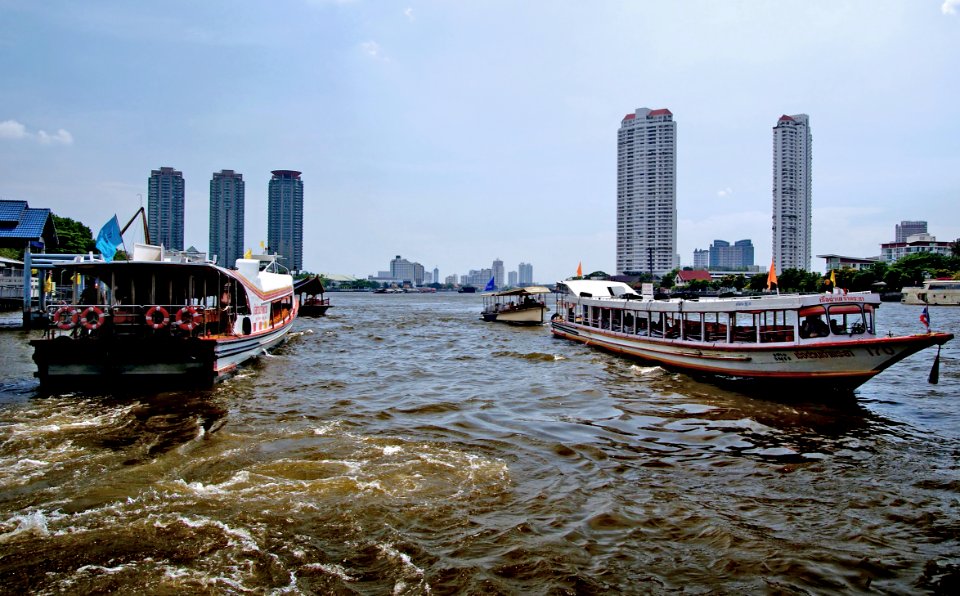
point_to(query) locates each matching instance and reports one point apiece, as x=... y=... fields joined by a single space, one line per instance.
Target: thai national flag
x=925 y=317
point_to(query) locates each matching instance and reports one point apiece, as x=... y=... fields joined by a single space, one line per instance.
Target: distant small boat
x=312 y=303
x=935 y=292
x=467 y=290
x=520 y=306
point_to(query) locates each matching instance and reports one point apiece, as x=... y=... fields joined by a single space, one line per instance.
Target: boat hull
x=108 y=362
x=519 y=316
x=840 y=365
x=313 y=310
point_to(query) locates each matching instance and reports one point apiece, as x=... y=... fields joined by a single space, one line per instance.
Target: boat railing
x=93 y=320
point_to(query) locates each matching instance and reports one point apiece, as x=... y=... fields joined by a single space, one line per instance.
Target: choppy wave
x=403 y=446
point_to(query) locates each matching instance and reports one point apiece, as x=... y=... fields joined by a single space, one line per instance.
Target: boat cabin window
x=836 y=320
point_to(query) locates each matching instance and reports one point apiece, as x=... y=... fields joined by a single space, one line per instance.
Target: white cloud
x=11 y=129
x=61 y=137
x=725 y=192
x=950 y=6
x=372 y=49
x=408 y=12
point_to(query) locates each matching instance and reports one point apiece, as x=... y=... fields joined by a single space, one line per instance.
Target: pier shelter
x=29 y=229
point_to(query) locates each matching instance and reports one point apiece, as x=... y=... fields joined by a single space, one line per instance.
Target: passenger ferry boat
x=162 y=318
x=935 y=292
x=827 y=340
x=519 y=306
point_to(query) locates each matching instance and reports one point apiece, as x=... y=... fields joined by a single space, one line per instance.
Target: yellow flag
x=580 y=269
x=248 y=254
x=833 y=278
x=262 y=247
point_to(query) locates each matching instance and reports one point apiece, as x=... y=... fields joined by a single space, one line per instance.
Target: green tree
x=757 y=282
x=667 y=281
x=73 y=236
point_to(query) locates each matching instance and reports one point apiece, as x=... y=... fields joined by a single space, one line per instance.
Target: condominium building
x=701 y=258
x=792 y=205
x=403 y=270
x=513 y=280
x=165 y=208
x=226 y=217
x=646 y=193
x=891 y=252
x=905 y=229
x=525 y=271
x=285 y=218
x=725 y=256
x=499 y=276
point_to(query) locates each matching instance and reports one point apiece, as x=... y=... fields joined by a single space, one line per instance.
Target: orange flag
x=772 y=275
x=580 y=269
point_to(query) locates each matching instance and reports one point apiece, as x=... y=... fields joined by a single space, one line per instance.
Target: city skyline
x=369 y=97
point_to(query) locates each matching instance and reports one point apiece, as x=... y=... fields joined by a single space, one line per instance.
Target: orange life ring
x=65 y=317
x=188 y=318
x=95 y=322
x=152 y=320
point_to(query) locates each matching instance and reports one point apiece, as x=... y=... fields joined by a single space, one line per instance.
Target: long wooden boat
x=827 y=340
x=519 y=306
x=162 y=320
x=312 y=302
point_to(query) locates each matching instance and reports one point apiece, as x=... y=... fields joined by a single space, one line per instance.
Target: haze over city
x=456 y=133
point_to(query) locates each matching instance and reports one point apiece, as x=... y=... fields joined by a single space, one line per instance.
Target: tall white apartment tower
x=792 y=182
x=647 y=193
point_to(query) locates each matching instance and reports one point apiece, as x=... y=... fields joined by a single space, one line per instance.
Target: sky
x=453 y=133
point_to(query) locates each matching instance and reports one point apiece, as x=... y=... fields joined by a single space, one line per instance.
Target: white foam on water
x=101 y=569
x=392 y=450
x=646 y=370
x=331 y=569
x=28 y=524
x=235 y=536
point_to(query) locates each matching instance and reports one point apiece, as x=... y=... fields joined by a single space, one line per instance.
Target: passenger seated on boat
x=813 y=326
x=836 y=327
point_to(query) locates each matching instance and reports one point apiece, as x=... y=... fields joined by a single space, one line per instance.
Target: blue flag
x=489 y=287
x=109 y=239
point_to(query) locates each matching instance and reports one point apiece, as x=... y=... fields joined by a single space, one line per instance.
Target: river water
x=401 y=445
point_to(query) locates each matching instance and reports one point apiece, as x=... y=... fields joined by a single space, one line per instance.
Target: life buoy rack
x=151 y=317
x=188 y=318
x=92 y=322
x=65 y=318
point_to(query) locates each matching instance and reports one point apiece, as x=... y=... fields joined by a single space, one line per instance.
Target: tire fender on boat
x=65 y=318
x=92 y=322
x=151 y=317
x=188 y=318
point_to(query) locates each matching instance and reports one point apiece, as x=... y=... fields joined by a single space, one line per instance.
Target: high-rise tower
x=226 y=217
x=646 y=193
x=285 y=218
x=792 y=205
x=165 y=208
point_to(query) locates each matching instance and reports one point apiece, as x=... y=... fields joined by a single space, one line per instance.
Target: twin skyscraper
x=647 y=199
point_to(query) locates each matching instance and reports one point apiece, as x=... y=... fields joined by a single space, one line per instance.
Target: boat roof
x=527 y=291
x=623 y=296
x=309 y=285
x=588 y=288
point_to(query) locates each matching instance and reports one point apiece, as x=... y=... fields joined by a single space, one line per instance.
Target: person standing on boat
x=226 y=309
x=92 y=294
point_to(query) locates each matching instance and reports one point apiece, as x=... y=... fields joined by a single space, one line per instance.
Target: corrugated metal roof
x=19 y=222
x=11 y=211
